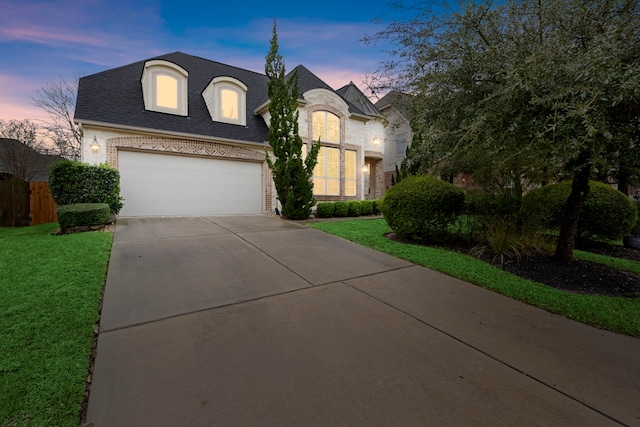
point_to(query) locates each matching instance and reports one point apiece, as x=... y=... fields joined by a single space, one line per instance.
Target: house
x=396 y=108
x=19 y=161
x=189 y=136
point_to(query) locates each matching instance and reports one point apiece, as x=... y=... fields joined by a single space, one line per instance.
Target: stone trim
x=374 y=155
x=179 y=146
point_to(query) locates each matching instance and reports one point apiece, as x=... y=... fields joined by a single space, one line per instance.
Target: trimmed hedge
x=422 y=208
x=606 y=214
x=367 y=207
x=355 y=208
x=325 y=209
x=341 y=209
x=73 y=182
x=83 y=214
x=376 y=207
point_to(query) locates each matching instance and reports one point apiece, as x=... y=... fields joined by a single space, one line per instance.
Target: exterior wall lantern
x=365 y=168
x=376 y=140
x=95 y=147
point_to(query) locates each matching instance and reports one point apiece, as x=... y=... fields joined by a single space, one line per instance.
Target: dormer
x=164 y=85
x=226 y=99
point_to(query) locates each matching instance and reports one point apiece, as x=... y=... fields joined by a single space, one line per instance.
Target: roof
x=398 y=100
x=308 y=81
x=115 y=97
x=17 y=158
x=354 y=95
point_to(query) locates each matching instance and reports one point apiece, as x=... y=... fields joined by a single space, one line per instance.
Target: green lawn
x=50 y=292
x=620 y=315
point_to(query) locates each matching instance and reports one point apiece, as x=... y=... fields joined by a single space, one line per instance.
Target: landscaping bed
x=579 y=276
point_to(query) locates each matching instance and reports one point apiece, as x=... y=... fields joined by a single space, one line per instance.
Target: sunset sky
x=41 y=41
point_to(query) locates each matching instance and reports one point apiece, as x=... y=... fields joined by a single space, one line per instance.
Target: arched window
x=326 y=126
x=164 y=85
x=226 y=99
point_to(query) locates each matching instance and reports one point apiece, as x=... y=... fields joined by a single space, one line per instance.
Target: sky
x=44 y=41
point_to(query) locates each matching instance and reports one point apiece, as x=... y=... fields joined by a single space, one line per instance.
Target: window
x=226 y=100
x=326 y=126
x=349 y=173
x=164 y=87
x=326 y=174
x=166 y=91
x=401 y=141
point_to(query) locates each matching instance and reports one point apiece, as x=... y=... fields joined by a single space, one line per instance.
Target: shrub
x=422 y=208
x=376 y=207
x=355 y=208
x=73 y=182
x=83 y=214
x=341 y=209
x=636 y=228
x=367 y=207
x=325 y=209
x=606 y=214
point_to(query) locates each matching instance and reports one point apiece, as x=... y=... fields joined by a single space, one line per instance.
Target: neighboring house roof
x=398 y=100
x=354 y=95
x=20 y=160
x=115 y=97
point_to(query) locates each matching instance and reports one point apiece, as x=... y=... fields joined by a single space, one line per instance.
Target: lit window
x=326 y=174
x=229 y=104
x=401 y=141
x=164 y=87
x=226 y=100
x=349 y=173
x=166 y=91
x=326 y=126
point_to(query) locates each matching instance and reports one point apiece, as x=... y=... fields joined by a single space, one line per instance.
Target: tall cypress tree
x=291 y=172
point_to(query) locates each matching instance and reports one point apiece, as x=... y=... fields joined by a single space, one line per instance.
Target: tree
x=59 y=101
x=521 y=91
x=291 y=171
x=20 y=148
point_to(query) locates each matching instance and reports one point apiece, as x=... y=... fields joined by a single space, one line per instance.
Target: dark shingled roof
x=354 y=95
x=400 y=101
x=115 y=96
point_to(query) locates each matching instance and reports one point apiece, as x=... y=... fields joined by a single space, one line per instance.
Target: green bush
x=325 y=209
x=367 y=207
x=376 y=207
x=341 y=209
x=83 y=214
x=75 y=182
x=355 y=208
x=422 y=208
x=606 y=214
x=636 y=228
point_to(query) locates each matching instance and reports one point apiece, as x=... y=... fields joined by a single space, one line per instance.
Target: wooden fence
x=42 y=208
x=14 y=203
x=25 y=203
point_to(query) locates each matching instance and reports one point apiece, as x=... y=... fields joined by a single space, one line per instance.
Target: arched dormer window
x=226 y=99
x=326 y=127
x=164 y=85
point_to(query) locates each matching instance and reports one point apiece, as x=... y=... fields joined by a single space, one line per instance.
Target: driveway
x=256 y=321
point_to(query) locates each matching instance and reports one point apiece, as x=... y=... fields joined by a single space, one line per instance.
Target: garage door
x=160 y=184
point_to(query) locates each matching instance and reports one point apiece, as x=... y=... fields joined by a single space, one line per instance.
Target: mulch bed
x=578 y=276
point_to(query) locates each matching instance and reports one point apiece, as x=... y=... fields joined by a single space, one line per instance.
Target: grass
x=616 y=314
x=50 y=292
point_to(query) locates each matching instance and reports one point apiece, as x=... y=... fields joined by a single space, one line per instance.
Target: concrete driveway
x=255 y=321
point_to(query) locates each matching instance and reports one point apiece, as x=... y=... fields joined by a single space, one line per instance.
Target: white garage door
x=160 y=184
